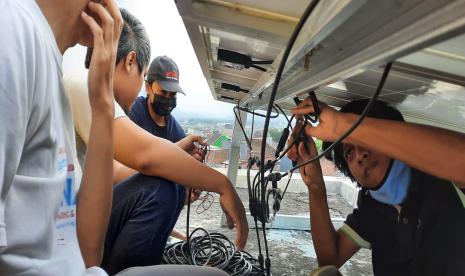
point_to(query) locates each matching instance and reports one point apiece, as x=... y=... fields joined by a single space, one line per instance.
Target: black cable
x=189 y=193
x=249 y=145
x=387 y=69
x=367 y=109
x=213 y=250
x=251 y=131
x=241 y=124
x=210 y=249
x=262 y=61
x=257 y=114
x=296 y=140
x=285 y=115
x=287 y=185
x=279 y=73
x=258 y=67
x=203 y=203
x=253 y=209
x=205 y=148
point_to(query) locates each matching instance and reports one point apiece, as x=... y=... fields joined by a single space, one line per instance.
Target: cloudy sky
x=168 y=36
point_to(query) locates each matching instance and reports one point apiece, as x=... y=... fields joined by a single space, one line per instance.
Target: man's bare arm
x=95 y=193
x=332 y=247
x=433 y=150
x=136 y=148
x=121 y=172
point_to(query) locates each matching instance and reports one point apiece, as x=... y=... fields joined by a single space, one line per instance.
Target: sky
x=168 y=36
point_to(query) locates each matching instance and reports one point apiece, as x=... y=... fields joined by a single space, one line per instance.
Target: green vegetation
x=319 y=145
x=275 y=134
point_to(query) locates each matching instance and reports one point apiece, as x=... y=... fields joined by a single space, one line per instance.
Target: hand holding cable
x=311 y=173
x=188 y=144
x=329 y=120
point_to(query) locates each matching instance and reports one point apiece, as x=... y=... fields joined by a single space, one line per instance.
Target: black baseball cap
x=165 y=71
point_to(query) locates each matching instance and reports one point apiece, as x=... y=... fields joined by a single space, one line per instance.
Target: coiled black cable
x=214 y=250
x=207 y=200
x=210 y=249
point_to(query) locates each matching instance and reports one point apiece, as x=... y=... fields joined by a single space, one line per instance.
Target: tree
x=275 y=134
x=319 y=145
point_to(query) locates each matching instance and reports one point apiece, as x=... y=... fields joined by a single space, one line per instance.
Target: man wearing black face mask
x=153 y=113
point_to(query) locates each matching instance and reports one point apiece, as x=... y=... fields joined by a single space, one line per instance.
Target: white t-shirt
x=37 y=149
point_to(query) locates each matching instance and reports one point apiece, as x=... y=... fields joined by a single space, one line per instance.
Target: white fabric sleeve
x=76 y=87
x=354 y=236
x=95 y=271
x=119 y=112
x=16 y=101
x=460 y=194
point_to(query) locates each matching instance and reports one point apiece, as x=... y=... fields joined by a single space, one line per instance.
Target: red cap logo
x=171 y=75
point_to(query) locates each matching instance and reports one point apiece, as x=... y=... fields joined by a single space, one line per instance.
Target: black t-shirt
x=426 y=238
x=173 y=131
x=140 y=115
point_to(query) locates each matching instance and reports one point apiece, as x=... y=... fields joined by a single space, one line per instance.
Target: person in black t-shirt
x=153 y=113
x=411 y=206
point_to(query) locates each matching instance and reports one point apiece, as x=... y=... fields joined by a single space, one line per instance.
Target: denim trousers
x=145 y=210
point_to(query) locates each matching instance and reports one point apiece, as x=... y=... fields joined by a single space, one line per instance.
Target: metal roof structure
x=339 y=53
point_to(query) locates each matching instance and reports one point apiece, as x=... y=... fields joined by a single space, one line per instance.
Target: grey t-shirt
x=37 y=150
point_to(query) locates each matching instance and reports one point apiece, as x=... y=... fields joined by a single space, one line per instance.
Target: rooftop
x=292 y=251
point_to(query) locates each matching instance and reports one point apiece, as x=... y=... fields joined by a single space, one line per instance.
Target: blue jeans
x=145 y=210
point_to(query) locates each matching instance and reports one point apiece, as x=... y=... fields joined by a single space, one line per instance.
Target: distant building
x=220 y=145
x=217 y=156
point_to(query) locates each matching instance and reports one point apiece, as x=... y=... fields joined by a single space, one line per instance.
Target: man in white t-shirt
x=137 y=236
x=37 y=148
x=37 y=137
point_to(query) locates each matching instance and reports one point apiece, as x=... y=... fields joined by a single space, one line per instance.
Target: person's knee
x=165 y=195
x=160 y=202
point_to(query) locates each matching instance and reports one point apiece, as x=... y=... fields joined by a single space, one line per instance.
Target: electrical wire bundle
x=214 y=250
x=209 y=249
x=259 y=194
x=207 y=200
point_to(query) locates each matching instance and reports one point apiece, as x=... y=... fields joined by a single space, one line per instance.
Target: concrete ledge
x=334 y=184
x=291 y=222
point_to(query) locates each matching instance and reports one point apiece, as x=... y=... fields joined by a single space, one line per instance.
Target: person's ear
x=148 y=87
x=130 y=61
x=149 y=92
x=156 y=86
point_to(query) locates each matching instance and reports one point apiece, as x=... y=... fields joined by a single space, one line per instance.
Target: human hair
x=133 y=38
x=380 y=110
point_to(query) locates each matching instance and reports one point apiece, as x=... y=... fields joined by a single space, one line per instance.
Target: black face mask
x=163 y=105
